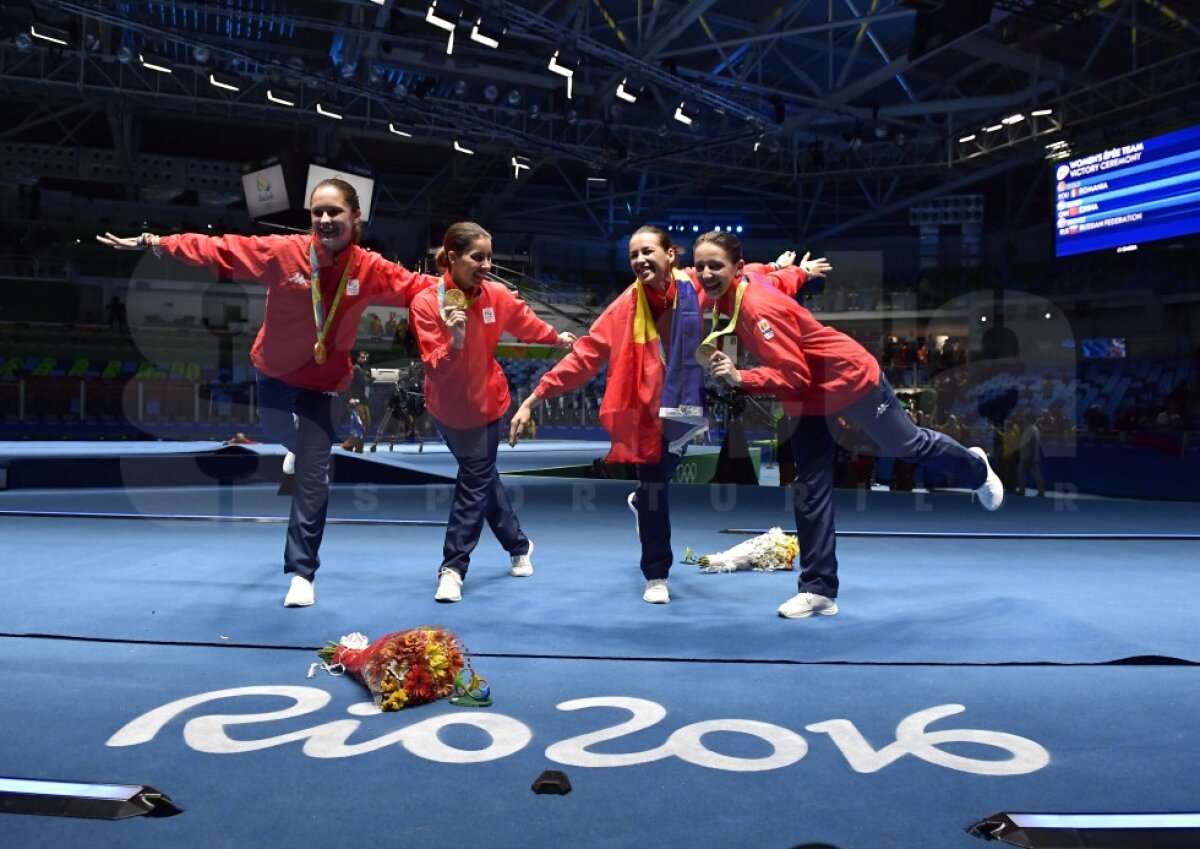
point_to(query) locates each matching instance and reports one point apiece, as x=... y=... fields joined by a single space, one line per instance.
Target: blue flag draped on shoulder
x=682 y=406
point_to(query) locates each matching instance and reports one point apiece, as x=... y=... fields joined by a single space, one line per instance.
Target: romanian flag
x=630 y=411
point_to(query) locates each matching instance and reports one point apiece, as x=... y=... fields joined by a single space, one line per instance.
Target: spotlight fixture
x=328 y=112
x=487 y=33
x=54 y=35
x=124 y=54
x=565 y=62
x=514 y=97
x=685 y=114
x=1090 y=831
x=630 y=90
x=970 y=137
x=993 y=128
x=83 y=799
x=491 y=93
x=225 y=81
x=444 y=14
x=201 y=54
x=154 y=62
x=1013 y=119
x=1038 y=113
x=281 y=96
x=392 y=128
x=23 y=41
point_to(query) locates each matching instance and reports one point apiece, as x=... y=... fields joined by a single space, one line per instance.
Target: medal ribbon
x=737 y=308
x=324 y=321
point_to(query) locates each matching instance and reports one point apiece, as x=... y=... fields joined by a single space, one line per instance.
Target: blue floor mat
x=665 y=754
x=902 y=600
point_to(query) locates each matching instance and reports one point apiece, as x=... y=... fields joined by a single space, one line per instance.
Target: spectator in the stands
x=1031 y=456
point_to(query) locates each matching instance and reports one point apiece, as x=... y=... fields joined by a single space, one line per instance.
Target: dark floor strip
x=1140 y=660
x=987 y=535
x=184 y=517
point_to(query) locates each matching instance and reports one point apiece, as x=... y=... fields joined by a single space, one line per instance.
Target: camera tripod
x=404 y=406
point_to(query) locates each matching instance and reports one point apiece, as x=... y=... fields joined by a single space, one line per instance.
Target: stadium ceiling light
x=565 y=63
x=993 y=128
x=486 y=33
x=52 y=34
x=968 y=138
x=444 y=14
x=1013 y=119
x=281 y=96
x=462 y=148
x=1037 y=113
x=226 y=81
x=630 y=90
x=685 y=114
x=392 y=128
x=328 y=113
x=154 y=62
x=519 y=164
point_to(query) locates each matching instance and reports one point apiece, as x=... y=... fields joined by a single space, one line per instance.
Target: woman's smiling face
x=470 y=268
x=333 y=221
x=714 y=269
x=650 y=261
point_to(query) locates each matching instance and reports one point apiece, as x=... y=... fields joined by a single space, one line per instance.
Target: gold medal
x=319 y=353
x=455 y=299
x=704 y=353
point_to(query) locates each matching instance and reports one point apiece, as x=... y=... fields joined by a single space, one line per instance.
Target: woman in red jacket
x=458 y=324
x=817 y=372
x=318 y=285
x=654 y=397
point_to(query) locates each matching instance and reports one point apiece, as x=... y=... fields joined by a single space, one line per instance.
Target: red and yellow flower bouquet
x=403 y=668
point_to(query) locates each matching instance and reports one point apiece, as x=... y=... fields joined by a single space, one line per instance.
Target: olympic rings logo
x=686 y=473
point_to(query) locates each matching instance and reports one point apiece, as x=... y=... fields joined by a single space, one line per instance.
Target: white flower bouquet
x=770 y=552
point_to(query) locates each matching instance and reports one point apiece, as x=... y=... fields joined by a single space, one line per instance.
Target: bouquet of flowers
x=769 y=552
x=400 y=669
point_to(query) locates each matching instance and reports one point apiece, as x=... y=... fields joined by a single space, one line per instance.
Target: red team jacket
x=467 y=388
x=811 y=368
x=284 y=346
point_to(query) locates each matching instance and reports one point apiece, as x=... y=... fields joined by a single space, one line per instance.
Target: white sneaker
x=991 y=494
x=289 y=464
x=804 y=605
x=300 y=593
x=449 y=585
x=522 y=567
x=637 y=525
x=656 y=591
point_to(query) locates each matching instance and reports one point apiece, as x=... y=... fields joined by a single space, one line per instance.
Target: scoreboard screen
x=1115 y=199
